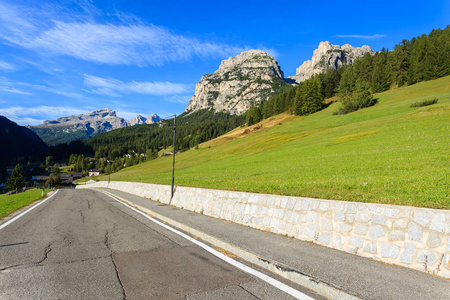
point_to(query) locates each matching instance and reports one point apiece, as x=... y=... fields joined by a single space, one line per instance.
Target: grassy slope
x=388 y=153
x=9 y=204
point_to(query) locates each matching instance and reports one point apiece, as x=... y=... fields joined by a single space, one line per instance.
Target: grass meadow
x=388 y=153
x=11 y=203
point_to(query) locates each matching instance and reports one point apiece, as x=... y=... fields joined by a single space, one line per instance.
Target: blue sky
x=60 y=58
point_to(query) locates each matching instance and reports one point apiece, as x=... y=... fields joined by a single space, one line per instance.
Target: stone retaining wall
x=412 y=237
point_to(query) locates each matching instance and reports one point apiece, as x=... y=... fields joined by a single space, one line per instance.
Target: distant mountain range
x=253 y=76
x=88 y=125
x=18 y=141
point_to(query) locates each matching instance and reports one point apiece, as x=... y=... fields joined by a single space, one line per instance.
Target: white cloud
x=359 y=36
x=115 y=87
x=36 y=115
x=6 y=66
x=14 y=91
x=12 y=87
x=126 y=42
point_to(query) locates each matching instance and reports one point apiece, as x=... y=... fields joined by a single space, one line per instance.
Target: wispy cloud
x=124 y=41
x=359 y=36
x=115 y=87
x=18 y=88
x=14 y=91
x=36 y=115
x=6 y=66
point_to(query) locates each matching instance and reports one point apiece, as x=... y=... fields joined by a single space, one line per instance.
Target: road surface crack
x=124 y=296
x=48 y=249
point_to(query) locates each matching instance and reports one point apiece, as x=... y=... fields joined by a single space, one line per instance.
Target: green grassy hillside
x=388 y=153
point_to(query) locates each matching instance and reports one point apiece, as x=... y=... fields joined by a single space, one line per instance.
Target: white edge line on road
x=27 y=211
x=285 y=288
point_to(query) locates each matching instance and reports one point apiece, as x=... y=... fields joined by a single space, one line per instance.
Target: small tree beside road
x=15 y=181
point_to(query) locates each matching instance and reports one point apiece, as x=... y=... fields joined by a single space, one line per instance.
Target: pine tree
x=15 y=181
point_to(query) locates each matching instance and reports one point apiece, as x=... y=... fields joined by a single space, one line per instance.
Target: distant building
x=95 y=172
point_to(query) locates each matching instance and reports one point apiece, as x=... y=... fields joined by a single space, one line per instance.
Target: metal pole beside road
x=173 y=155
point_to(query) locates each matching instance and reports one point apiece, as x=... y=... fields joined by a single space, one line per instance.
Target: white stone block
x=264 y=211
x=284 y=202
x=360 y=228
x=289 y=227
x=438 y=222
x=433 y=240
x=362 y=207
x=414 y=232
x=408 y=254
x=291 y=203
x=389 y=250
x=279 y=213
x=349 y=218
x=267 y=221
x=356 y=241
x=343 y=228
x=271 y=201
x=430 y=257
x=324 y=205
x=325 y=238
x=422 y=218
x=281 y=225
x=379 y=219
x=326 y=225
x=311 y=229
x=375 y=208
x=376 y=231
x=314 y=204
x=298 y=229
x=298 y=205
x=338 y=242
x=288 y=215
x=363 y=216
x=371 y=247
x=391 y=212
x=310 y=216
x=339 y=216
x=351 y=208
x=305 y=204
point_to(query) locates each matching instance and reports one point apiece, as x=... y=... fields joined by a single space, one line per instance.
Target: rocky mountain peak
x=138 y=120
x=240 y=82
x=329 y=56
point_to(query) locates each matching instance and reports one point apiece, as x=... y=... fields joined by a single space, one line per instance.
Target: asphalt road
x=81 y=244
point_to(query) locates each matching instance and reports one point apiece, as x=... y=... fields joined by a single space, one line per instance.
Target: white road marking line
x=25 y=212
x=285 y=288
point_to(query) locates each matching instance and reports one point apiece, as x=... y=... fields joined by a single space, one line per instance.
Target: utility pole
x=109 y=173
x=173 y=155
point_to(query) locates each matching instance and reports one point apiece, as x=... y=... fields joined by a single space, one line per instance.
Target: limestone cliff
x=240 y=82
x=329 y=56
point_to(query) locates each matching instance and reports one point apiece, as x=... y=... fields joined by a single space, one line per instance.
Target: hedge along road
x=85 y=244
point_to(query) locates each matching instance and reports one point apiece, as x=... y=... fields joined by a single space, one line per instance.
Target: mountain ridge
x=87 y=125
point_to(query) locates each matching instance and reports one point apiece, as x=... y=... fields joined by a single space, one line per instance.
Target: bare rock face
x=153 y=118
x=240 y=82
x=139 y=120
x=329 y=56
x=97 y=121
